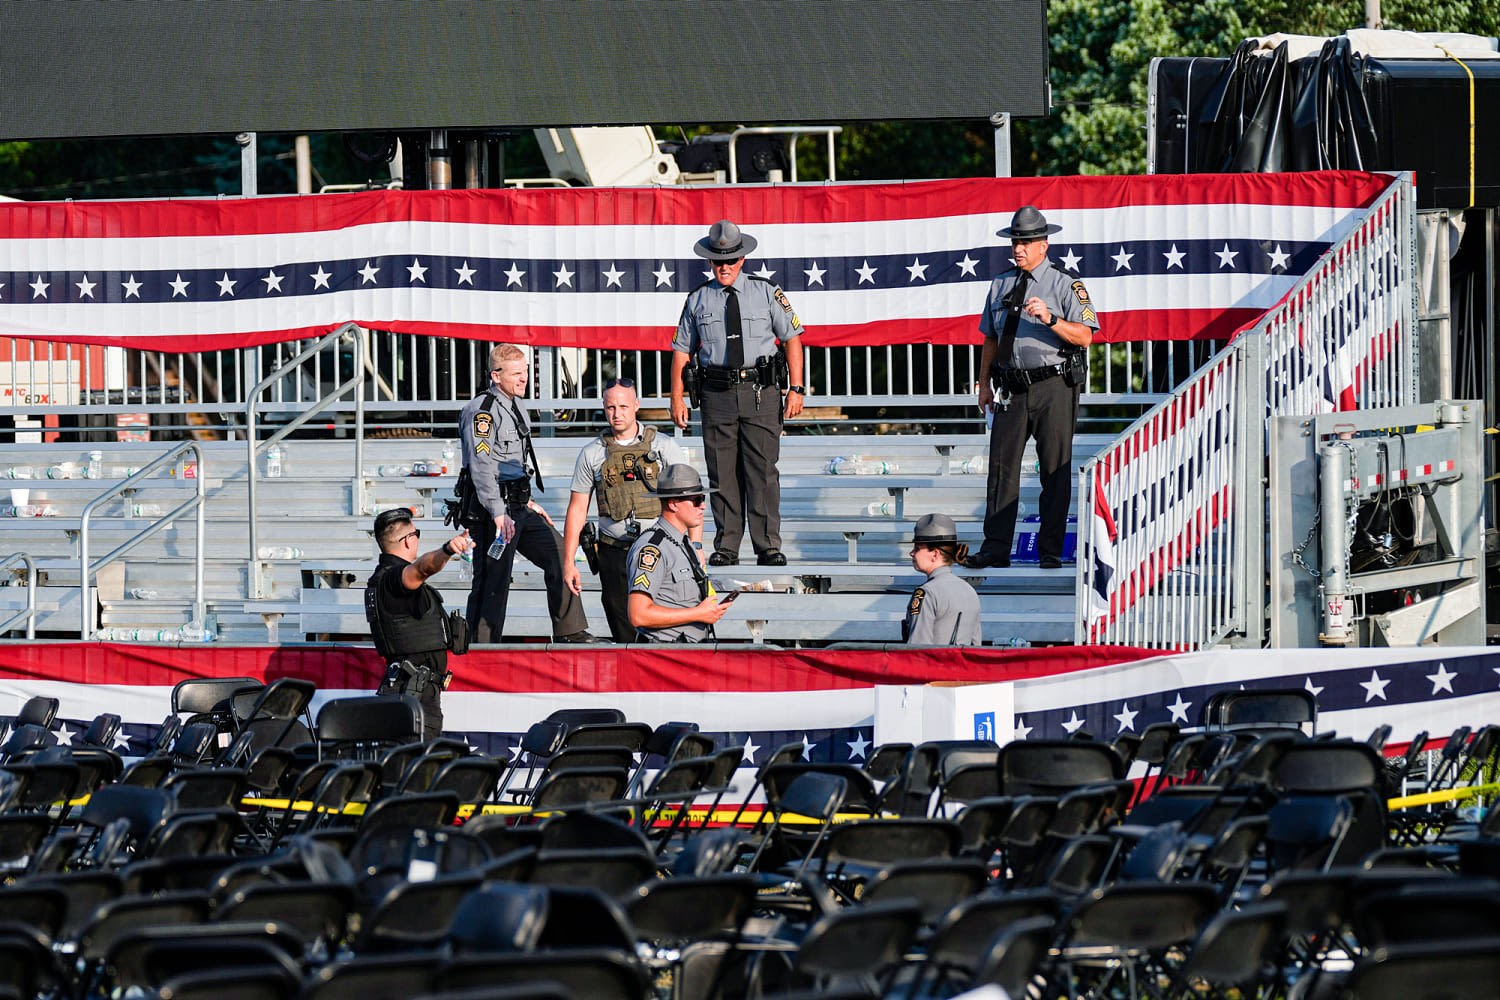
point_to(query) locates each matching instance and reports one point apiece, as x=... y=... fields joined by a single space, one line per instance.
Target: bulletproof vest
x=399 y=637
x=627 y=480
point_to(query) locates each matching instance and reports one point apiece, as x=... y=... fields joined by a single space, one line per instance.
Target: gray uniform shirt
x=660 y=565
x=590 y=464
x=944 y=611
x=494 y=445
x=1037 y=344
x=766 y=318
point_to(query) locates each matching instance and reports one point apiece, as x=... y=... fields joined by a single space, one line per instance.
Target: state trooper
x=944 y=611
x=405 y=612
x=1037 y=324
x=620 y=469
x=744 y=343
x=669 y=590
x=499 y=458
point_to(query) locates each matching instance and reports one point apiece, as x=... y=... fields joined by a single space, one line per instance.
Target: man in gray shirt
x=736 y=325
x=621 y=469
x=669 y=598
x=499 y=458
x=1037 y=323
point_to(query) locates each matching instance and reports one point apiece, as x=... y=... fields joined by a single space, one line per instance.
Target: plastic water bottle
x=394 y=470
x=96 y=465
x=426 y=467
x=273 y=461
x=881 y=508
x=142 y=594
x=975 y=466
x=756 y=586
x=279 y=552
x=65 y=470
x=18 y=472
x=449 y=456
x=496 y=549
x=145 y=510
x=849 y=465
x=192 y=632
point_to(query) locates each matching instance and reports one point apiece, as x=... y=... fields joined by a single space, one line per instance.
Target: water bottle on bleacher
x=279 y=552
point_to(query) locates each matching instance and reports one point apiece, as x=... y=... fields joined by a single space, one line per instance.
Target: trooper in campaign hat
x=1038 y=322
x=944 y=611
x=406 y=613
x=670 y=596
x=741 y=341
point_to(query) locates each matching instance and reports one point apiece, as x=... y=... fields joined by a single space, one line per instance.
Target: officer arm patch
x=483 y=424
x=1089 y=316
x=782 y=299
x=915 y=607
x=648 y=559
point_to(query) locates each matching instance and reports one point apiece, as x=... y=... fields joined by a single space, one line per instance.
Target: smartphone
x=727 y=598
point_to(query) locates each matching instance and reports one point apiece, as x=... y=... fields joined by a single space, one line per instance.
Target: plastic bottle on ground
x=426 y=467
x=881 y=508
x=145 y=509
x=64 y=470
x=18 y=472
x=850 y=465
x=279 y=552
x=96 y=465
x=394 y=470
x=274 y=456
x=143 y=593
x=976 y=466
x=193 y=632
x=756 y=586
x=449 y=456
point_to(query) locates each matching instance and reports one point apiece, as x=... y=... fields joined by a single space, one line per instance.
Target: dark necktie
x=529 y=451
x=734 y=337
x=1015 y=301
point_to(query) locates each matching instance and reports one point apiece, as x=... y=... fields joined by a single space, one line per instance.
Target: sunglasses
x=697 y=501
x=728 y=263
x=414 y=533
x=626 y=383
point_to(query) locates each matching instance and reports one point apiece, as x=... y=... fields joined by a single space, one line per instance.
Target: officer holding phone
x=669 y=590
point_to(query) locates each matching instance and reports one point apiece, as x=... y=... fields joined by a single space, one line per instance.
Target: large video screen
x=161 y=67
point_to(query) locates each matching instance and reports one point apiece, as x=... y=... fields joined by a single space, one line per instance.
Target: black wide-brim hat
x=1028 y=224
x=680 y=481
x=725 y=242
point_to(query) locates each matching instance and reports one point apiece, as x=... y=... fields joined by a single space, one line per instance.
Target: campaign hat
x=935 y=529
x=679 y=480
x=1028 y=224
x=724 y=242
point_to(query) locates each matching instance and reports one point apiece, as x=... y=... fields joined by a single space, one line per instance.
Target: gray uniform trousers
x=490 y=594
x=1048 y=411
x=741 y=443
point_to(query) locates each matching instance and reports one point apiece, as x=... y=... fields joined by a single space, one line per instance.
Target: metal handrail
x=131 y=483
x=256 y=583
x=791 y=132
x=28 y=612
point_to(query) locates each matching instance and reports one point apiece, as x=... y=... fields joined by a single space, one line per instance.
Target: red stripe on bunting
x=545 y=670
x=750 y=204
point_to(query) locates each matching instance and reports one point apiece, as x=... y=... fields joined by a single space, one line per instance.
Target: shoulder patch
x=915 y=607
x=641 y=580
x=648 y=558
x=1081 y=292
x=483 y=424
x=787 y=306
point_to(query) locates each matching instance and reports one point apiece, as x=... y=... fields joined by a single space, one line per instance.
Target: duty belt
x=623 y=544
x=1021 y=379
x=516 y=492
x=724 y=378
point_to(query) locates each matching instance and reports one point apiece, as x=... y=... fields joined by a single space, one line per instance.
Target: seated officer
x=406 y=613
x=669 y=599
x=944 y=611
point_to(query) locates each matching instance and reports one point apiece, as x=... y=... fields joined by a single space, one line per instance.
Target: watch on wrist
x=698 y=546
x=1053 y=321
x=799 y=390
x=448 y=549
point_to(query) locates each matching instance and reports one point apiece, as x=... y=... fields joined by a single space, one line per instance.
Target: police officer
x=669 y=599
x=944 y=611
x=732 y=325
x=621 y=468
x=1037 y=323
x=499 y=456
x=406 y=613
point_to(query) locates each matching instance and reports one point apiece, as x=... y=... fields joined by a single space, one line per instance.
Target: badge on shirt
x=649 y=555
x=1089 y=315
x=483 y=423
x=781 y=297
x=915 y=607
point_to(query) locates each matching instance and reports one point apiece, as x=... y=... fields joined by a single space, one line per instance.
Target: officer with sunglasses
x=669 y=589
x=620 y=469
x=405 y=612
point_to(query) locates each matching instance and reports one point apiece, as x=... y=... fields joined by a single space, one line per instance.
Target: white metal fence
x=1184 y=483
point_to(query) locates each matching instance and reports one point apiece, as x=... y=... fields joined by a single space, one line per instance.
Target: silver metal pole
x=1001 y=121
x=439 y=165
x=248 y=154
x=1333 y=469
x=303 y=146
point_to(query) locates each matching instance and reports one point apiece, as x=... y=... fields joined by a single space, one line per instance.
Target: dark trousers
x=741 y=443
x=1048 y=412
x=615 y=591
x=538 y=541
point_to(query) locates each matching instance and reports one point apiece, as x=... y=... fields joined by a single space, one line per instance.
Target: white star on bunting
x=1226 y=256
x=465 y=274
x=1179 y=709
x=320 y=278
x=1074 y=723
x=1070 y=260
x=226 y=285
x=663 y=275
x=132 y=288
x=514 y=276
x=866 y=273
x=917 y=269
x=1314 y=691
x=86 y=287
x=1279 y=258
x=179 y=287
x=273 y=281
x=417 y=271
x=858 y=746
x=39 y=287
x=1174 y=257
x=612 y=277
x=1122 y=260
x=750 y=750
x=807 y=748
x=563 y=277
x=1126 y=718
x=1442 y=680
x=1021 y=729
x=368 y=273
x=967 y=266
x=1374 y=687
x=814 y=274
x=764 y=272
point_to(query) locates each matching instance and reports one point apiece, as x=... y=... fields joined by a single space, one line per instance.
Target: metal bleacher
x=847 y=580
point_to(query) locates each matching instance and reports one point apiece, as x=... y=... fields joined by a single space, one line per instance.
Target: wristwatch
x=1053 y=321
x=697 y=545
x=799 y=390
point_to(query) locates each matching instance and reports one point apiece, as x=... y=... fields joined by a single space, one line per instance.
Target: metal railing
x=134 y=482
x=348 y=333
x=1185 y=485
x=28 y=613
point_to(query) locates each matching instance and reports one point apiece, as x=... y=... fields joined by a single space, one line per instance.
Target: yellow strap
x=1466 y=69
x=1447 y=795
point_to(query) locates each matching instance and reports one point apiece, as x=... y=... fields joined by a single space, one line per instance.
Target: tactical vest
x=399 y=637
x=627 y=480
